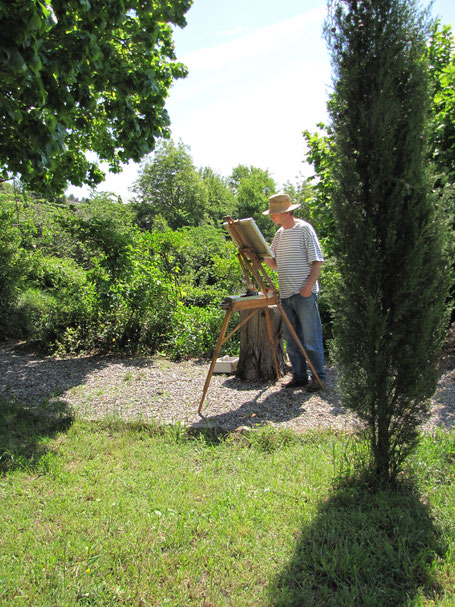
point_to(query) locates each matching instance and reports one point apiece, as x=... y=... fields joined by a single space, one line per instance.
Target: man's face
x=278 y=218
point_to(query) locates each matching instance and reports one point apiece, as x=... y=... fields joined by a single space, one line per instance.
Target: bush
x=195 y=331
x=82 y=277
x=58 y=297
x=11 y=271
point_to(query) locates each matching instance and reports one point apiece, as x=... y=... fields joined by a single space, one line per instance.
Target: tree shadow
x=31 y=378
x=362 y=549
x=30 y=408
x=24 y=430
x=28 y=377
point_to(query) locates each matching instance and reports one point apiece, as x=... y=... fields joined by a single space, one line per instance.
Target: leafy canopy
x=171 y=192
x=253 y=187
x=169 y=188
x=80 y=76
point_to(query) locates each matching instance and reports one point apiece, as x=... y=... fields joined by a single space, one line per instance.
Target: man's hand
x=305 y=291
x=316 y=266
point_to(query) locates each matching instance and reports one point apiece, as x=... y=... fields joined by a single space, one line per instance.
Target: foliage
x=390 y=317
x=83 y=277
x=83 y=76
x=321 y=154
x=210 y=264
x=253 y=187
x=170 y=188
x=58 y=297
x=126 y=283
x=199 y=262
x=195 y=330
x=11 y=266
x=301 y=193
x=442 y=70
x=201 y=265
x=220 y=197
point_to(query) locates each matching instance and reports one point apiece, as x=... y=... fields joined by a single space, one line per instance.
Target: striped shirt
x=295 y=249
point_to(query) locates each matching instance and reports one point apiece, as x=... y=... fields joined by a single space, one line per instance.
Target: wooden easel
x=257 y=281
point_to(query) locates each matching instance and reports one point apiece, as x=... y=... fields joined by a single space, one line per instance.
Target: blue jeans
x=303 y=314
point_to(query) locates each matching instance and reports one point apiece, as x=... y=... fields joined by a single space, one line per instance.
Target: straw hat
x=280 y=203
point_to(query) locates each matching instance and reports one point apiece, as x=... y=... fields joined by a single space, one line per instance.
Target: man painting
x=298 y=261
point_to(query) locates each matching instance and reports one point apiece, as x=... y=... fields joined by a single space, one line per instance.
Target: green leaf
x=15 y=60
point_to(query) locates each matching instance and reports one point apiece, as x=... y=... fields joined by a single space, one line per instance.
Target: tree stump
x=256 y=356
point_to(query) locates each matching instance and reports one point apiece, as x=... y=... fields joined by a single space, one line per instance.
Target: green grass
x=115 y=514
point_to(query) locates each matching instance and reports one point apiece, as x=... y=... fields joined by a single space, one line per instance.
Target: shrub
x=58 y=297
x=195 y=331
x=11 y=271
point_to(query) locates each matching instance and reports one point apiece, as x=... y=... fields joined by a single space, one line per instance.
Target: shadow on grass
x=23 y=431
x=363 y=549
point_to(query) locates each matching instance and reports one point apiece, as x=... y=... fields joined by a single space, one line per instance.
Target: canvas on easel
x=252 y=248
x=245 y=233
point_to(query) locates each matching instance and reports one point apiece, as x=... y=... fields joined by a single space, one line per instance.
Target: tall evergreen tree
x=390 y=314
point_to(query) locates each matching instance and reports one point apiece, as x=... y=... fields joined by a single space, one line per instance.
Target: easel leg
x=299 y=345
x=272 y=341
x=219 y=343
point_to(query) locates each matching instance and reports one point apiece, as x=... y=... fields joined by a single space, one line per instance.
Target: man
x=298 y=260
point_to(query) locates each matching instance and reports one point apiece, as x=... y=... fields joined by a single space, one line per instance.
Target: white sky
x=259 y=74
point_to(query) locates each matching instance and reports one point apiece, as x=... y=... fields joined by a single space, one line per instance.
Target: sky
x=259 y=75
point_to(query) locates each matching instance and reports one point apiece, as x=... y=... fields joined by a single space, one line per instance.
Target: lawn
x=114 y=514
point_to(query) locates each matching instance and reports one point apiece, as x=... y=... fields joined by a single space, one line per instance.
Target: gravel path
x=157 y=389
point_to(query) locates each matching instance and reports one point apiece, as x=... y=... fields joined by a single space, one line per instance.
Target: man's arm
x=316 y=266
x=271 y=262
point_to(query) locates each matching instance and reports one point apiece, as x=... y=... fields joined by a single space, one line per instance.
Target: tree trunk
x=256 y=359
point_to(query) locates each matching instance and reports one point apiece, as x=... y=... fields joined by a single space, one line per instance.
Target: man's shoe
x=296 y=382
x=314 y=386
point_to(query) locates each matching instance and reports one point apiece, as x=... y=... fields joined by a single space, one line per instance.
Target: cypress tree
x=390 y=310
